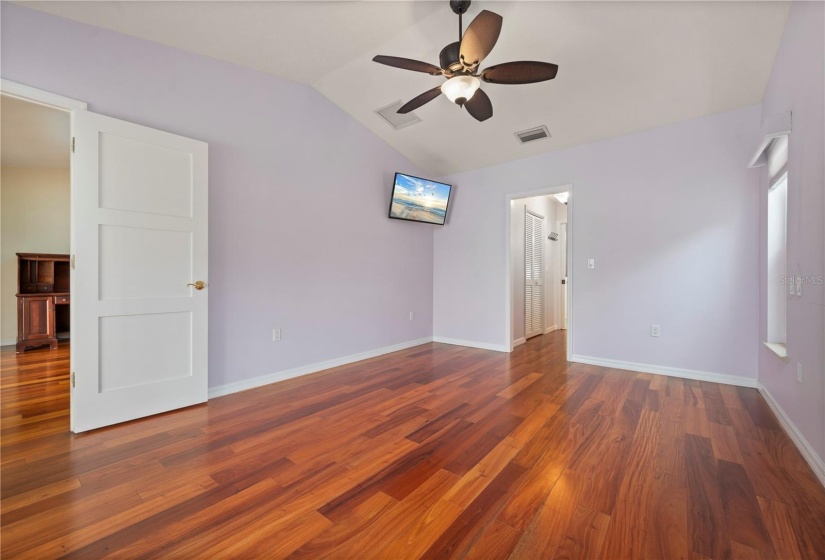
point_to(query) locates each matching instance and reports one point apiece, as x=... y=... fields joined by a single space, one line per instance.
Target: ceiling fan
x=460 y=65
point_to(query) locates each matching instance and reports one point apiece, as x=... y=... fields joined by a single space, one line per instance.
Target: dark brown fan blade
x=408 y=64
x=417 y=102
x=479 y=106
x=480 y=38
x=521 y=72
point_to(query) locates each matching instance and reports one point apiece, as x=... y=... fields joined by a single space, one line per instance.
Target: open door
x=139 y=246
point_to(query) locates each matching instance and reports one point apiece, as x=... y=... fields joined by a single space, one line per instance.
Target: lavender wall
x=671 y=217
x=299 y=191
x=797 y=84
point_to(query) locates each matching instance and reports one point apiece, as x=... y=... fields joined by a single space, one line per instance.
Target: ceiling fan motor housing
x=449 y=57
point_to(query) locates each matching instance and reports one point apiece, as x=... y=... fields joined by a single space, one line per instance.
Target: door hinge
x=72 y=262
x=72 y=380
x=73 y=143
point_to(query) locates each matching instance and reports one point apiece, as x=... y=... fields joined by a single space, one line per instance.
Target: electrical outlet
x=276 y=335
x=655 y=330
x=799 y=371
x=412 y=315
x=591 y=263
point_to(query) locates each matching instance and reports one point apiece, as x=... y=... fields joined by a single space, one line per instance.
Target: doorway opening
x=539 y=290
x=35 y=288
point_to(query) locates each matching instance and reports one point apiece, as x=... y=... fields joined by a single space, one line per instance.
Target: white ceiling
x=623 y=66
x=33 y=135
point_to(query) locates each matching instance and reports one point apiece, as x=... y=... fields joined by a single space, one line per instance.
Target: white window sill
x=778 y=349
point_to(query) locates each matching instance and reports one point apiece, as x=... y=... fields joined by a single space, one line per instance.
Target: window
x=778 y=282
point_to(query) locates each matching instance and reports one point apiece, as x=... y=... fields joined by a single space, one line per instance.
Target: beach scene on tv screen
x=419 y=200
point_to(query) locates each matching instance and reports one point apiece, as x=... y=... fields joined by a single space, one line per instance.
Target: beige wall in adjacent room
x=35 y=219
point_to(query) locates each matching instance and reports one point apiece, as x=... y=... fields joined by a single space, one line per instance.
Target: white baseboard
x=550 y=329
x=519 y=341
x=814 y=461
x=664 y=370
x=471 y=344
x=245 y=384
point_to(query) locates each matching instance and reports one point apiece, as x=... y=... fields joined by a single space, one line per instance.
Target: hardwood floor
x=433 y=452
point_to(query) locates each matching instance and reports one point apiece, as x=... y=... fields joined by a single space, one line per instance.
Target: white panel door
x=533 y=274
x=139 y=239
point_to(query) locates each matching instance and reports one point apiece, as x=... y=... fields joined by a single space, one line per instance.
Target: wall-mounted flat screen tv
x=419 y=200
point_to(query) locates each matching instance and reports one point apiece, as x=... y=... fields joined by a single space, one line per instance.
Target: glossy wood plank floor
x=433 y=452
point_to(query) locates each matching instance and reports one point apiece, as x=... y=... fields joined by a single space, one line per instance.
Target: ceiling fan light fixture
x=460 y=89
x=460 y=63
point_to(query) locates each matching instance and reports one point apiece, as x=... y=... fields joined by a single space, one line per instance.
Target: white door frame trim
x=42 y=97
x=508 y=265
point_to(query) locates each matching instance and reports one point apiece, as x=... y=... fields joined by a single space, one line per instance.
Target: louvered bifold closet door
x=533 y=274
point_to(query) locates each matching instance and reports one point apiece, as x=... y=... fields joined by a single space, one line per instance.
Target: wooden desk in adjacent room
x=43 y=298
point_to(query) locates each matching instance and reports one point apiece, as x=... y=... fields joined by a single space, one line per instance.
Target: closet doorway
x=534 y=308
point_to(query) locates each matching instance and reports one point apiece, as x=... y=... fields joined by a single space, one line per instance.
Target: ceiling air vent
x=532 y=134
x=395 y=119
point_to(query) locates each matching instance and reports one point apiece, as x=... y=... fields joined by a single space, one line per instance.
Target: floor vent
x=532 y=134
x=394 y=119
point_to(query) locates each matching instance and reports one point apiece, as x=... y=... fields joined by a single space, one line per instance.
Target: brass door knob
x=199 y=285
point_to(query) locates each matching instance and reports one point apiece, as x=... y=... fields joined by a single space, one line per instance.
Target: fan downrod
x=460 y=6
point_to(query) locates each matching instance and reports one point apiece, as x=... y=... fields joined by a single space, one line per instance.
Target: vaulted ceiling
x=623 y=66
